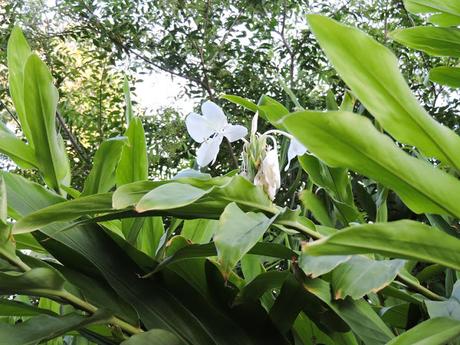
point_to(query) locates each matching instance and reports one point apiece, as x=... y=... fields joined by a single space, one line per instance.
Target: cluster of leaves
x=197 y=259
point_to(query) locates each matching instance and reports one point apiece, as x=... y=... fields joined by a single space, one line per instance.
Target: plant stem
x=419 y=288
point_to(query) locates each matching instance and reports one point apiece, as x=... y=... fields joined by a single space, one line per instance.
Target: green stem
x=419 y=288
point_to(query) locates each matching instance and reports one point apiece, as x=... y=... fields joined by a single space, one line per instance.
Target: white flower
x=268 y=175
x=209 y=130
x=295 y=149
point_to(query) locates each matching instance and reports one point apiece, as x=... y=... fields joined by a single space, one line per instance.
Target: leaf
x=431 y=40
x=38 y=281
x=449 y=308
x=338 y=142
x=133 y=164
x=150 y=235
x=264 y=282
x=360 y=275
x=102 y=176
x=313 y=203
x=40 y=108
x=15 y=308
x=444 y=19
x=359 y=315
x=404 y=239
x=170 y=196
x=154 y=337
x=431 y=332
x=237 y=233
x=315 y=266
x=245 y=103
x=129 y=106
x=17 y=150
x=44 y=327
x=199 y=230
x=449 y=76
x=431 y=6
x=64 y=211
x=371 y=69
x=18 y=52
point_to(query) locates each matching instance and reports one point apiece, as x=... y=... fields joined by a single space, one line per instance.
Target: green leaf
x=245 y=103
x=449 y=308
x=38 y=281
x=102 y=176
x=199 y=230
x=315 y=266
x=371 y=69
x=133 y=164
x=44 y=327
x=64 y=211
x=314 y=204
x=18 y=52
x=431 y=332
x=237 y=233
x=359 y=315
x=21 y=153
x=154 y=336
x=150 y=235
x=350 y=140
x=129 y=106
x=15 y=308
x=431 y=40
x=431 y=6
x=170 y=196
x=360 y=275
x=404 y=239
x=449 y=76
x=40 y=107
x=445 y=19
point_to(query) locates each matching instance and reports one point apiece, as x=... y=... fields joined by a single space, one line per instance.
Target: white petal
x=208 y=151
x=295 y=149
x=235 y=132
x=214 y=115
x=198 y=127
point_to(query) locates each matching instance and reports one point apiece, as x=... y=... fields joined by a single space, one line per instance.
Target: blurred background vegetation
x=241 y=47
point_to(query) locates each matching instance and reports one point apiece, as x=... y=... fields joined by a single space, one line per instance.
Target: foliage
x=197 y=259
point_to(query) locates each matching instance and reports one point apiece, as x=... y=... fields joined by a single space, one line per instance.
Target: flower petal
x=234 y=132
x=198 y=127
x=295 y=149
x=214 y=115
x=207 y=152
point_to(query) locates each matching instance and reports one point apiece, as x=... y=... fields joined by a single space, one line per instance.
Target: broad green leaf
x=431 y=332
x=102 y=176
x=449 y=76
x=314 y=204
x=199 y=230
x=350 y=140
x=264 y=282
x=133 y=164
x=64 y=211
x=371 y=71
x=397 y=315
x=16 y=308
x=271 y=109
x=403 y=239
x=359 y=315
x=169 y=196
x=444 y=19
x=245 y=103
x=315 y=266
x=18 y=52
x=17 y=150
x=129 y=106
x=44 y=327
x=449 y=308
x=150 y=235
x=237 y=233
x=38 y=281
x=130 y=194
x=431 y=40
x=40 y=108
x=432 y=6
x=360 y=275
x=154 y=337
